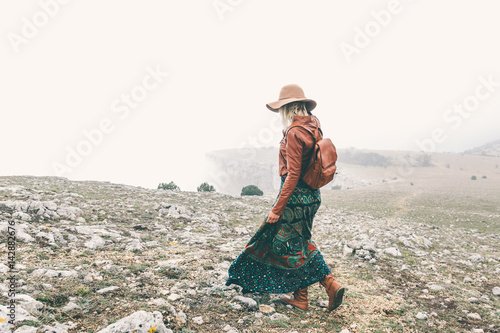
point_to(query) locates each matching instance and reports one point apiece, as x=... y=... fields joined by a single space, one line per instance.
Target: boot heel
x=339 y=295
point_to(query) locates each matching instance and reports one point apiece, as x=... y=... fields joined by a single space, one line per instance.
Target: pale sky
x=385 y=74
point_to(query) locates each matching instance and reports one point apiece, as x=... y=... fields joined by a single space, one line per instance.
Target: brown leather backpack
x=322 y=165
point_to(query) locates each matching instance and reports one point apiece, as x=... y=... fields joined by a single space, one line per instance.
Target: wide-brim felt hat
x=291 y=93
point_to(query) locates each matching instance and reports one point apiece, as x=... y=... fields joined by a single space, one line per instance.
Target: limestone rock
x=251 y=303
x=139 y=322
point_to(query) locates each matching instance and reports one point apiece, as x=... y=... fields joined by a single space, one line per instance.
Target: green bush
x=473 y=177
x=205 y=187
x=169 y=186
x=484 y=177
x=251 y=190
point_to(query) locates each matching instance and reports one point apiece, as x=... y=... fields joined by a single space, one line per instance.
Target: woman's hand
x=272 y=218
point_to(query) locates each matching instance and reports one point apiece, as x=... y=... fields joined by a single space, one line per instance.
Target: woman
x=281 y=257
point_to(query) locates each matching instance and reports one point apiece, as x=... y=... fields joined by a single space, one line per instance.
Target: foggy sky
x=140 y=90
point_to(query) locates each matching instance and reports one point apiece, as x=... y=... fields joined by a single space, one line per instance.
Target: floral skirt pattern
x=281 y=257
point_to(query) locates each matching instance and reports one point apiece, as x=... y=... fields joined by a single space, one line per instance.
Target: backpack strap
x=297 y=125
x=314 y=137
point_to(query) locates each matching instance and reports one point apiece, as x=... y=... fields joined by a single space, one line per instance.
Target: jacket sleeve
x=294 y=149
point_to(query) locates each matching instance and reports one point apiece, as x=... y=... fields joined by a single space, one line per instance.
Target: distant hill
x=489 y=149
x=230 y=170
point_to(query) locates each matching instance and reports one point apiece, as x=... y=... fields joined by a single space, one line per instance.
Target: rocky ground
x=103 y=257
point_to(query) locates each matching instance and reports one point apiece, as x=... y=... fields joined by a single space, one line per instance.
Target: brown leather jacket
x=294 y=157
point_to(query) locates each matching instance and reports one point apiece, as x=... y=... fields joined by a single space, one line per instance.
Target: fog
x=138 y=92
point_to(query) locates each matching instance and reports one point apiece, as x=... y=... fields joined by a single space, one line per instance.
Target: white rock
x=107 y=290
x=177 y=211
x=21 y=315
x=24 y=237
x=173 y=297
x=496 y=291
x=69 y=212
x=345 y=331
x=477 y=330
x=323 y=304
x=84 y=230
x=393 y=252
x=160 y=302
x=4 y=268
x=279 y=316
x=22 y=216
x=96 y=242
x=51 y=273
x=50 y=205
x=134 y=244
x=70 y=306
x=140 y=322
x=91 y=276
x=347 y=250
x=68 y=274
x=26 y=329
x=29 y=303
x=49 y=329
x=474 y=316
x=421 y=316
x=45 y=237
x=198 y=320
x=476 y=258
x=228 y=328
x=435 y=287
x=38 y=272
x=251 y=303
x=181 y=317
x=266 y=308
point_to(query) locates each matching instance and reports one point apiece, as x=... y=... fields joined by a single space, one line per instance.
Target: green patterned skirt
x=281 y=257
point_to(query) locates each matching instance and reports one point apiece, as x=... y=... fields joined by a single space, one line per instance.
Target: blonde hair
x=290 y=110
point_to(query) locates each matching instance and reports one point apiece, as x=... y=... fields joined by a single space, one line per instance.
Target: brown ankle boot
x=334 y=290
x=299 y=299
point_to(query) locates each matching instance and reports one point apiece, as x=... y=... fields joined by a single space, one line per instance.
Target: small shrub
x=53 y=299
x=473 y=177
x=205 y=187
x=43 y=256
x=484 y=177
x=251 y=190
x=82 y=291
x=169 y=186
x=336 y=187
x=448 y=165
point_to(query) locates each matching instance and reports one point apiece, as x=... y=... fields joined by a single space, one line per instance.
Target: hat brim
x=275 y=106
